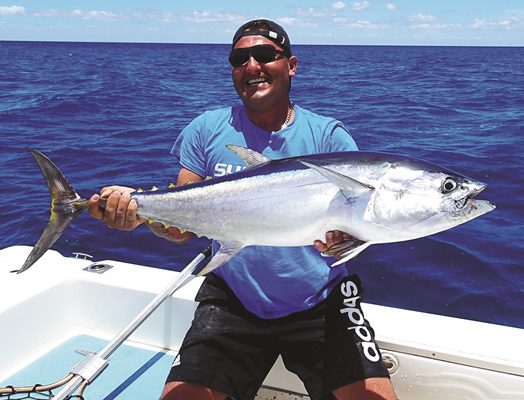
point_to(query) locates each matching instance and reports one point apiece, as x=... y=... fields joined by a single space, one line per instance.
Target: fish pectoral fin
x=346 y=250
x=251 y=157
x=226 y=252
x=348 y=186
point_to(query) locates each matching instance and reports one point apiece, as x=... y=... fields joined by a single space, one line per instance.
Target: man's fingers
x=121 y=210
x=108 y=190
x=319 y=245
x=93 y=207
x=132 y=219
x=110 y=209
x=334 y=237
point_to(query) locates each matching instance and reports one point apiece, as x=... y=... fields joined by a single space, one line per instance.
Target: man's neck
x=273 y=119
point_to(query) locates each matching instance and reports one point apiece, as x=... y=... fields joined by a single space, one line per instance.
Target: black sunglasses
x=263 y=53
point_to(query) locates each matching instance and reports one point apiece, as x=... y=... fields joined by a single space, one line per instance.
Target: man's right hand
x=120 y=211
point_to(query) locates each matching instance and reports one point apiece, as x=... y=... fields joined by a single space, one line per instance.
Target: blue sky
x=395 y=22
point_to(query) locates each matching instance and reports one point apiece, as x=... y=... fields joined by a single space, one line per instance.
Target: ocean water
x=109 y=113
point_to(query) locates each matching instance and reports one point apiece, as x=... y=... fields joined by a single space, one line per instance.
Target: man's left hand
x=332 y=238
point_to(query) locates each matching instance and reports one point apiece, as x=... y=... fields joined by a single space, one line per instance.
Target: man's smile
x=257 y=81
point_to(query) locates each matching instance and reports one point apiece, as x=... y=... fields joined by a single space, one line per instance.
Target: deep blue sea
x=109 y=113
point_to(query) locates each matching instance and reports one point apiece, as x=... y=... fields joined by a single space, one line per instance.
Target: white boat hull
x=431 y=357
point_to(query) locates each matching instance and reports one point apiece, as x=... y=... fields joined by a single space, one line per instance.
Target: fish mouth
x=461 y=203
x=481 y=206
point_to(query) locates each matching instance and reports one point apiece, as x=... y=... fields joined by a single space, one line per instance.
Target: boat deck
x=57 y=306
x=134 y=372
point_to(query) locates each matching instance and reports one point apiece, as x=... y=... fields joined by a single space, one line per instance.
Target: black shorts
x=231 y=350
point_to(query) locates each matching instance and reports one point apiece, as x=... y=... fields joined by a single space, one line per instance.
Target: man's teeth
x=256 y=81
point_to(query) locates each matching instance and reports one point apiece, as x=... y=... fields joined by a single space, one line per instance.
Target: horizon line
x=294 y=44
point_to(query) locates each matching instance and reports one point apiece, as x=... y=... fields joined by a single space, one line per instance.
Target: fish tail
x=66 y=204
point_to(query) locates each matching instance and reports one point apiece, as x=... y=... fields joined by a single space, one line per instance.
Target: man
x=266 y=301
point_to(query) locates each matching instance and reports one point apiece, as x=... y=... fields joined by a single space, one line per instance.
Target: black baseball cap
x=266 y=28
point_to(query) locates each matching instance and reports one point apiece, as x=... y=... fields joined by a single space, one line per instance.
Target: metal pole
x=100 y=358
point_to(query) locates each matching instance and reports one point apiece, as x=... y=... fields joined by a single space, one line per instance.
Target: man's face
x=262 y=85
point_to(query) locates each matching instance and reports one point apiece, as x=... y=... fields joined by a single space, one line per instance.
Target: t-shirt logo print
x=222 y=169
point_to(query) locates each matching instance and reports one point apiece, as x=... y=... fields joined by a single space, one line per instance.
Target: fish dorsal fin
x=226 y=252
x=348 y=186
x=251 y=157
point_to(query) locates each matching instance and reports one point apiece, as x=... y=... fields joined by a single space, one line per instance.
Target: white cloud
x=162 y=16
x=509 y=23
x=287 y=21
x=436 y=26
x=359 y=24
x=211 y=16
x=97 y=15
x=311 y=12
x=423 y=18
x=391 y=7
x=432 y=23
x=361 y=6
x=339 y=5
x=12 y=10
x=46 y=13
x=366 y=25
x=481 y=24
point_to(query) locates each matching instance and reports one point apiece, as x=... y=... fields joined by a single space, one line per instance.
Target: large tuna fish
x=375 y=197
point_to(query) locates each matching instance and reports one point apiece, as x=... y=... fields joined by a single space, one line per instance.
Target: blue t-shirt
x=271 y=282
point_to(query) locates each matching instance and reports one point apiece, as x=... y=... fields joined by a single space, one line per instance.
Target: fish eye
x=449 y=185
